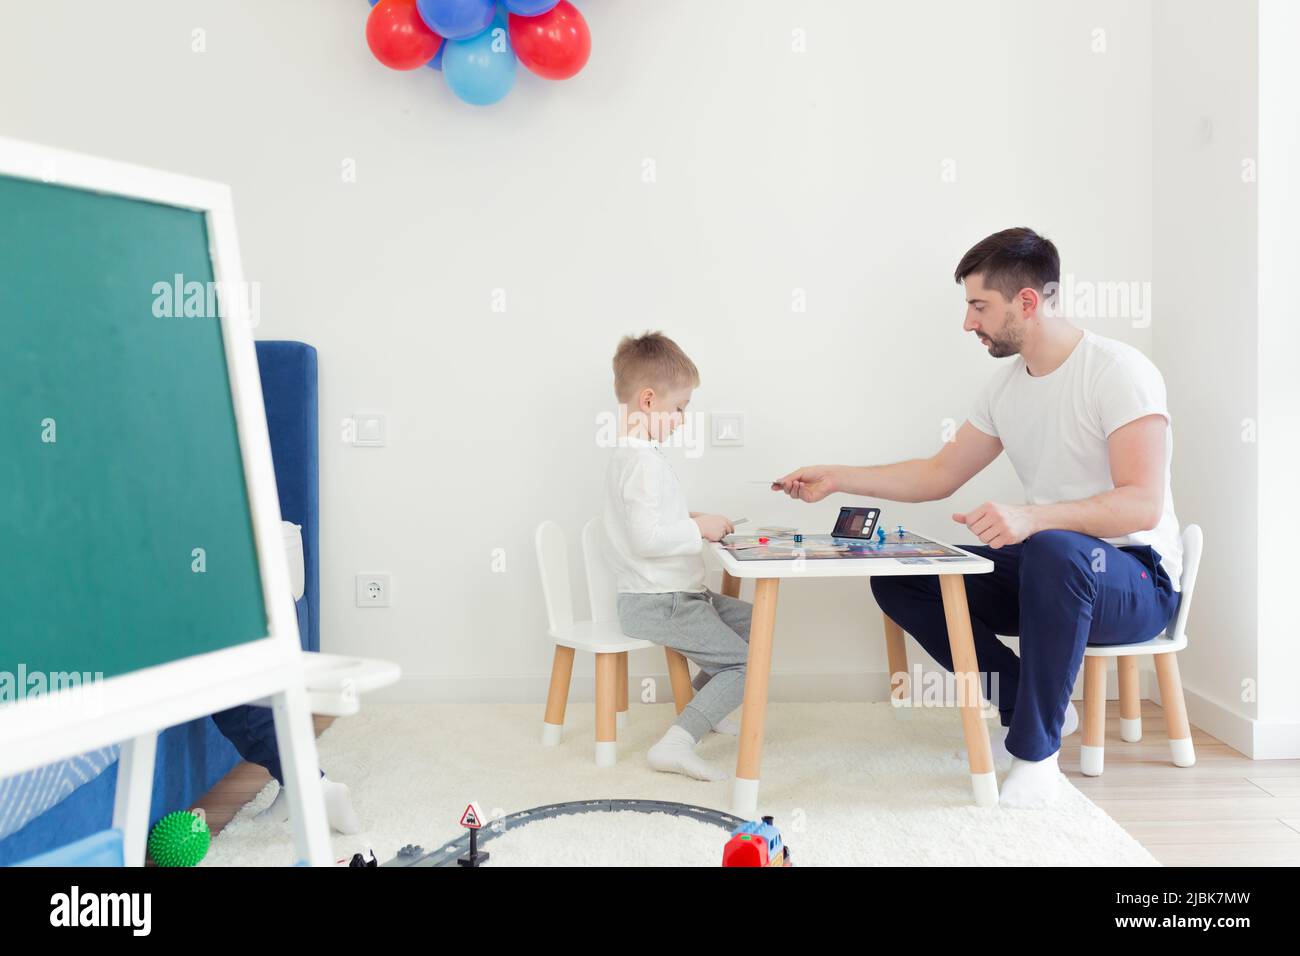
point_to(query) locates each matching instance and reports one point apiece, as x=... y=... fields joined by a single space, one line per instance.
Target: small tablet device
x=856 y=523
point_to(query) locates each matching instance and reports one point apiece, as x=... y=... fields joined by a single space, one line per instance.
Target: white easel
x=131 y=708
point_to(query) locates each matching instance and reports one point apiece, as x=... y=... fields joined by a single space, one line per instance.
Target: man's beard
x=1009 y=342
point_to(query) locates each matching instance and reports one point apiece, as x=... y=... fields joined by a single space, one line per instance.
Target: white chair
x=601 y=636
x=1164 y=647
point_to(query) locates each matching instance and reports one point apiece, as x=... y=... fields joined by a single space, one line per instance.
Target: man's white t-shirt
x=1055 y=427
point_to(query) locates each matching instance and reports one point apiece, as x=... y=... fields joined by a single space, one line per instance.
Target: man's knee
x=892 y=593
x=1068 y=547
x=1061 y=556
x=884 y=589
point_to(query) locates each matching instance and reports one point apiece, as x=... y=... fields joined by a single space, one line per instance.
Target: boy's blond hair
x=652 y=360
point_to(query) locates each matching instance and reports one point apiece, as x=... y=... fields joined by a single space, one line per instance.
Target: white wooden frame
x=131 y=708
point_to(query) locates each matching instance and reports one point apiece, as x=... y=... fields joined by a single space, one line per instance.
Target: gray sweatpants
x=710 y=629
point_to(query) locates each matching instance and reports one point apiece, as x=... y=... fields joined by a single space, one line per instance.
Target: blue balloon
x=436 y=62
x=480 y=70
x=456 y=19
x=530 y=8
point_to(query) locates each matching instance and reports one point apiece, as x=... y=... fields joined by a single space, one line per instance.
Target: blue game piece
x=880 y=535
x=900 y=531
x=798 y=538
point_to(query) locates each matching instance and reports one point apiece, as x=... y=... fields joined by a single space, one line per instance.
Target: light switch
x=369 y=429
x=728 y=428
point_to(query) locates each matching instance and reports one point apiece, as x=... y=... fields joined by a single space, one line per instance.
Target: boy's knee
x=741 y=612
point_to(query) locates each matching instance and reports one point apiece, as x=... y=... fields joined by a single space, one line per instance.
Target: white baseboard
x=1276 y=741
x=1219 y=721
x=532 y=689
x=1257 y=739
x=862 y=686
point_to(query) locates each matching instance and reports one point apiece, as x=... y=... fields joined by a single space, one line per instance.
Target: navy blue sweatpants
x=1058 y=591
x=252 y=730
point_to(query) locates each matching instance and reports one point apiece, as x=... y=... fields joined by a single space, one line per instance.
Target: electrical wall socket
x=374 y=590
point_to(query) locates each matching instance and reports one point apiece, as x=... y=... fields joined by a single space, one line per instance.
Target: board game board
x=823 y=546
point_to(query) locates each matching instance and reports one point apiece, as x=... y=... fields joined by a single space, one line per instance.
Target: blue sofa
x=192 y=757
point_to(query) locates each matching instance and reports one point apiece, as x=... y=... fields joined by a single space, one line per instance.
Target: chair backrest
x=553 y=563
x=1193 y=541
x=602 y=588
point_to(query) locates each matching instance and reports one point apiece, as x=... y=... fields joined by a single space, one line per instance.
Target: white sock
x=1031 y=783
x=998 y=738
x=278 y=811
x=338 y=807
x=997 y=743
x=727 y=726
x=675 y=753
x=1071 y=722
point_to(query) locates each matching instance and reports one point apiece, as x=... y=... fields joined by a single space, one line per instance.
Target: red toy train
x=756 y=844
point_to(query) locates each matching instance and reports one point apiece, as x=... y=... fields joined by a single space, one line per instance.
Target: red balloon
x=555 y=44
x=399 y=37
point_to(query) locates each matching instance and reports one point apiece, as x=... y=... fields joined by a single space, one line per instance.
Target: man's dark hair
x=1011 y=260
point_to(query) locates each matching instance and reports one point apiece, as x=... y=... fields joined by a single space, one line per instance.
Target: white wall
x=1205 y=124
x=1279 y=390
x=776 y=170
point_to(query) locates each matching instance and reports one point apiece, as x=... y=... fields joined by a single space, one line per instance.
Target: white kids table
x=768 y=575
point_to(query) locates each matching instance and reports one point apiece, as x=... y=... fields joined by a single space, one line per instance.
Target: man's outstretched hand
x=809 y=484
x=997 y=525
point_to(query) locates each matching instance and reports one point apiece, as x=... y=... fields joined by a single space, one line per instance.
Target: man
x=1094 y=553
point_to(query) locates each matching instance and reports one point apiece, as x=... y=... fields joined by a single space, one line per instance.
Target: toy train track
x=446 y=853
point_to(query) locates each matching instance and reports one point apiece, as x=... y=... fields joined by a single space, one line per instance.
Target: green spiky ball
x=179 y=839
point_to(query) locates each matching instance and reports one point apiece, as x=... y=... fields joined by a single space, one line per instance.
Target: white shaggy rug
x=848 y=784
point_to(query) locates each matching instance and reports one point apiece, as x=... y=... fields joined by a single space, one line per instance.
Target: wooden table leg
x=896 y=649
x=758 y=670
x=730 y=585
x=965 y=668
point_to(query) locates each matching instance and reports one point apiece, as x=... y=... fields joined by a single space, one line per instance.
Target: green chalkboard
x=125 y=533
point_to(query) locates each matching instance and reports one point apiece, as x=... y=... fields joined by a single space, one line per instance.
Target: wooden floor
x=1225 y=811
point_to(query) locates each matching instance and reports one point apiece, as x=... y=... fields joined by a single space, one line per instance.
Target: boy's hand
x=809 y=484
x=713 y=527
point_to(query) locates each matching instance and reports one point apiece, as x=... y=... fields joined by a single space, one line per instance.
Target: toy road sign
x=472 y=817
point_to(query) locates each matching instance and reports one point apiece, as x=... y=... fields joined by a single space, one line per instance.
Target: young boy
x=656 y=549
